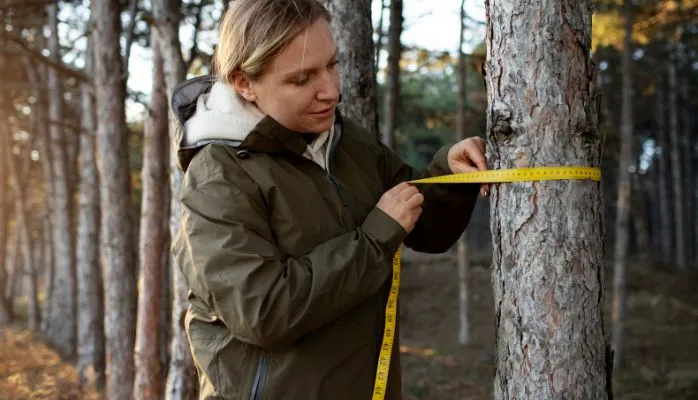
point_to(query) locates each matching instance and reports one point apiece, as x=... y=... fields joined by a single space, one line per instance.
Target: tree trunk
x=37 y=75
x=4 y=225
x=665 y=232
x=547 y=236
x=381 y=35
x=90 y=288
x=63 y=321
x=14 y=261
x=115 y=200
x=462 y=247
x=689 y=165
x=392 y=92
x=352 y=27
x=639 y=215
x=181 y=377
x=50 y=267
x=622 y=223
x=153 y=237
x=676 y=167
x=24 y=232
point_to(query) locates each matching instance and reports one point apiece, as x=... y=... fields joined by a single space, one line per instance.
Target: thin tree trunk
x=50 y=268
x=352 y=27
x=676 y=167
x=655 y=210
x=37 y=249
x=63 y=321
x=4 y=226
x=623 y=205
x=115 y=201
x=548 y=250
x=392 y=92
x=23 y=230
x=14 y=260
x=181 y=377
x=665 y=232
x=689 y=165
x=153 y=237
x=89 y=268
x=381 y=35
x=639 y=216
x=44 y=139
x=462 y=250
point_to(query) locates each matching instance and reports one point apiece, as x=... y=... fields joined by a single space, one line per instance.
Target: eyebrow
x=295 y=73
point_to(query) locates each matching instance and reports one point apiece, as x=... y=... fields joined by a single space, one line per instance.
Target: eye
x=301 y=81
x=333 y=63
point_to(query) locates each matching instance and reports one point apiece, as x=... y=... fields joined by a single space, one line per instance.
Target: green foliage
x=428 y=103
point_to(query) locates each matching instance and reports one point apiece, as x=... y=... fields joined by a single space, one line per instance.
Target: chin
x=319 y=126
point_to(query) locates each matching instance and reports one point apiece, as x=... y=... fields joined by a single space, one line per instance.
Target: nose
x=328 y=89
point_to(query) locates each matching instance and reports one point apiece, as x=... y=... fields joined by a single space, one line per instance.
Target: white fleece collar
x=221 y=114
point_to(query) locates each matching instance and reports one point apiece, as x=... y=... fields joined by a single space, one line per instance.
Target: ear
x=243 y=86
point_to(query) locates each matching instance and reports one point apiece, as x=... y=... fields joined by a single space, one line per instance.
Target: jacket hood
x=209 y=111
x=220 y=114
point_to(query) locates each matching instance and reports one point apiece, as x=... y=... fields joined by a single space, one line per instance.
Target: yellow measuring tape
x=492 y=176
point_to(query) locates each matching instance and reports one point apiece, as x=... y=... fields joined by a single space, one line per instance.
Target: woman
x=291 y=214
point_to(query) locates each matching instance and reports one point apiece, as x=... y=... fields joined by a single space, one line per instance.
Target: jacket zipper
x=330 y=167
x=260 y=378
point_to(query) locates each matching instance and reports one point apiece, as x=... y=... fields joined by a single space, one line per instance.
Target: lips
x=324 y=112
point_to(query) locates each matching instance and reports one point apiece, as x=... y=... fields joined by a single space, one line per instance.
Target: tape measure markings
x=491 y=176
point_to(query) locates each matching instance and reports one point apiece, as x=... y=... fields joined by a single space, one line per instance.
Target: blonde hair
x=254 y=31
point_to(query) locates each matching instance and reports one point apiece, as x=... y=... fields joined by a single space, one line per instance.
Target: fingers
x=415 y=201
x=475 y=151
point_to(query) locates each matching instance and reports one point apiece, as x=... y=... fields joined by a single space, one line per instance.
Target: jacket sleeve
x=447 y=207
x=263 y=298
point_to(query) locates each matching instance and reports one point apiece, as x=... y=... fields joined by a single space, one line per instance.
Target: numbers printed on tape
x=492 y=176
x=518 y=175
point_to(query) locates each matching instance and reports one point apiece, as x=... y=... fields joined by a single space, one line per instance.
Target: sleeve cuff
x=439 y=164
x=381 y=227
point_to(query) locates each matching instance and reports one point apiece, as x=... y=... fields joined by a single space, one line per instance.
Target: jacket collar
x=269 y=136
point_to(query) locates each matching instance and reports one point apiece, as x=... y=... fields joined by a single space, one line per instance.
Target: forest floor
x=662 y=333
x=662 y=340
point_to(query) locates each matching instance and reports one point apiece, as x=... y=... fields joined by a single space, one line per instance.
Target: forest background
x=70 y=202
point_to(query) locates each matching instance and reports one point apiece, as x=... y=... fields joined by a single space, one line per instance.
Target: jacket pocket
x=260 y=378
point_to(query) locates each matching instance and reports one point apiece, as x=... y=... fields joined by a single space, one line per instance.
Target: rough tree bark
x=462 y=246
x=392 y=90
x=665 y=232
x=181 y=377
x=352 y=28
x=623 y=206
x=548 y=250
x=676 y=166
x=153 y=237
x=62 y=323
x=115 y=199
x=89 y=268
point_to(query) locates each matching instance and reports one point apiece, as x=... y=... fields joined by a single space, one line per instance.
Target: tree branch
x=35 y=54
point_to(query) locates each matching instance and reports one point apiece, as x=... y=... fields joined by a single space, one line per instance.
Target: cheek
x=336 y=81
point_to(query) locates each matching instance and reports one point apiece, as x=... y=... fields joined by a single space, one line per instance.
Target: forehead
x=312 y=48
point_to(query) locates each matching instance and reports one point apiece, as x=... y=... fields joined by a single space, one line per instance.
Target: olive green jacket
x=288 y=264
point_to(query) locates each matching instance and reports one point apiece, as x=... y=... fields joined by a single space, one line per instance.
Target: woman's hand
x=403 y=203
x=468 y=155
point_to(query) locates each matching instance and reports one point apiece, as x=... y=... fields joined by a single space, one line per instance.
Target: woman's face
x=300 y=88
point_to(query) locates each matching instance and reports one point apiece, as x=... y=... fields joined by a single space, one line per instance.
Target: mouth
x=324 y=113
